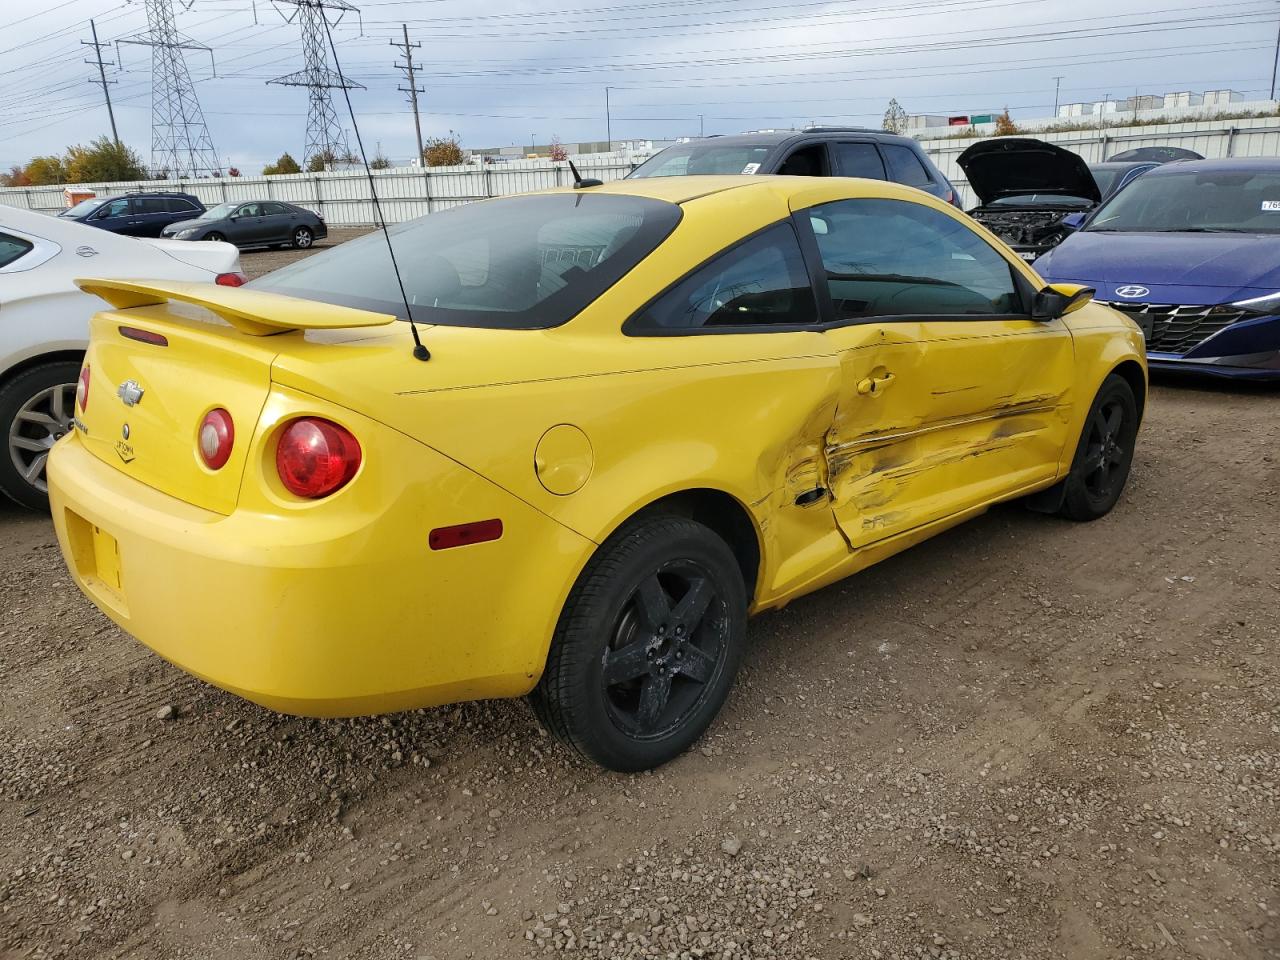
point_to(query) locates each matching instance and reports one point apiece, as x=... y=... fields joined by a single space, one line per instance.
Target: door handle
x=874 y=386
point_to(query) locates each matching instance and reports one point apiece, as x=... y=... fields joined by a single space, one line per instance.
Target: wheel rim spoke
x=652 y=604
x=653 y=700
x=34 y=471
x=695 y=663
x=689 y=611
x=626 y=664
x=1114 y=418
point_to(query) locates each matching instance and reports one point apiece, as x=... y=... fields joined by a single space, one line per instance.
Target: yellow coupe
x=650 y=409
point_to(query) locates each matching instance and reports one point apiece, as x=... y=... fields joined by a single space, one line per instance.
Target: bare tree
x=895 y=118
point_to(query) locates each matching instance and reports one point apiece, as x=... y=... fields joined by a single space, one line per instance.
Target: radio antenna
x=420 y=352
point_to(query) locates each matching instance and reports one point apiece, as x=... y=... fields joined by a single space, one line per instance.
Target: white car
x=44 y=323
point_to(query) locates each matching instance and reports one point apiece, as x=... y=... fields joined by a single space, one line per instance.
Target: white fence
x=343 y=197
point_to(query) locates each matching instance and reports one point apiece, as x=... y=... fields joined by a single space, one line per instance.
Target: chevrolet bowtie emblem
x=130 y=393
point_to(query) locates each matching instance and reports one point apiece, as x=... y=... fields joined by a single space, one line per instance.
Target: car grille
x=1170 y=328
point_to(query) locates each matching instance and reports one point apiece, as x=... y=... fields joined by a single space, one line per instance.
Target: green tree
x=379 y=163
x=286 y=164
x=103 y=160
x=45 y=170
x=320 y=161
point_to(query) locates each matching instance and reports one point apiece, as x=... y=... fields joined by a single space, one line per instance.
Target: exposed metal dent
x=898 y=434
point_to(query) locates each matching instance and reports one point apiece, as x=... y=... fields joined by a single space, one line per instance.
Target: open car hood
x=1011 y=166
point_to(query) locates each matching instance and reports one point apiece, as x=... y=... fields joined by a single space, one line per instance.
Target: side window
x=760 y=282
x=153 y=205
x=887 y=258
x=116 y=208
x=905 y=166
x=808 y=161
x=249 y=210
x=11 y=248
x=858 y=160
x=273 y=209
x=178 y=205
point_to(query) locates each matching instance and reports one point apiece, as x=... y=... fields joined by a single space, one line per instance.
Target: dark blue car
x=1191 y=251
x=135 y=214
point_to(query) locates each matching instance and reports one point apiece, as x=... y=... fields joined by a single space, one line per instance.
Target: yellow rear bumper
x=335 y=610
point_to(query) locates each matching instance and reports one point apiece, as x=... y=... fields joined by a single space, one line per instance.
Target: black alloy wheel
x=1104 y=454
x=647 y=645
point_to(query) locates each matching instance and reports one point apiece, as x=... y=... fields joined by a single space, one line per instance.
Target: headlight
x=190 y=232
x=1268 y=303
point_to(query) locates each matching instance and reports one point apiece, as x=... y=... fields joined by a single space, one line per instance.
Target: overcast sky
x=505 y=72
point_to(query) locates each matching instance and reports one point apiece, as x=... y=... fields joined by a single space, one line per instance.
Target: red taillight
x=231 y=280
x=316 y=457
x=82 y=389
x=144 y=336
x=479 y=531
x=216 y=438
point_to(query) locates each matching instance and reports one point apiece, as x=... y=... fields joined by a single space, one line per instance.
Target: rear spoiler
x=257 y=313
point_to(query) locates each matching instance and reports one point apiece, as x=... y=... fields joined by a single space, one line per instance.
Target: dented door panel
x=936 y=417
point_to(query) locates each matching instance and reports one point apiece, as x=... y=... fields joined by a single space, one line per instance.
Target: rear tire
x=1104 y=454
x=647 y=645
x=36 y=408
x=303 y=238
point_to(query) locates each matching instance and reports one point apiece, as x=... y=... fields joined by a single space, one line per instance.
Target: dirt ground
x=1026 y=738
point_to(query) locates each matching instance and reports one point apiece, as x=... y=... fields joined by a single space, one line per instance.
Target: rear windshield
x=703 y=157
x=518 y=263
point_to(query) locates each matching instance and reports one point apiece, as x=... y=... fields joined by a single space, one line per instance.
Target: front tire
x=647 y=645
x=216 y=237
x=36 y=408
x=1104 y=454
x=303 y=238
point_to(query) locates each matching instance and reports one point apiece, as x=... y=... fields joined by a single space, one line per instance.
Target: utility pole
x=608 y=122
x=413 y=89
x=1057 y=87
x=102 y=76
x=1274 y=58
x=702 y=132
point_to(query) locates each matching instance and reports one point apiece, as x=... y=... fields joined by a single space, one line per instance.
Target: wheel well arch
x=724 y=514
x=53 y=356
x=1133 y=374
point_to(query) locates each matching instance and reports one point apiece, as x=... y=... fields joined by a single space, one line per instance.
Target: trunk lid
x=167 y=355
x=208 y=255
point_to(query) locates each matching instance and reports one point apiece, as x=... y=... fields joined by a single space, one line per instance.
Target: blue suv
x=135 y=214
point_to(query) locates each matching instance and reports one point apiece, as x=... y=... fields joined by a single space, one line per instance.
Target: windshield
x=1105 y=179
x=704 y=157
x=83 y=207
x=220 y=212
x=517 y=263
x=1042 y=200
x=1190 y=201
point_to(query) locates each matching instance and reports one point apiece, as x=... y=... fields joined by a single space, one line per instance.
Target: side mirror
x=1059 y=299
x=234 y=217
x=1073 y=221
